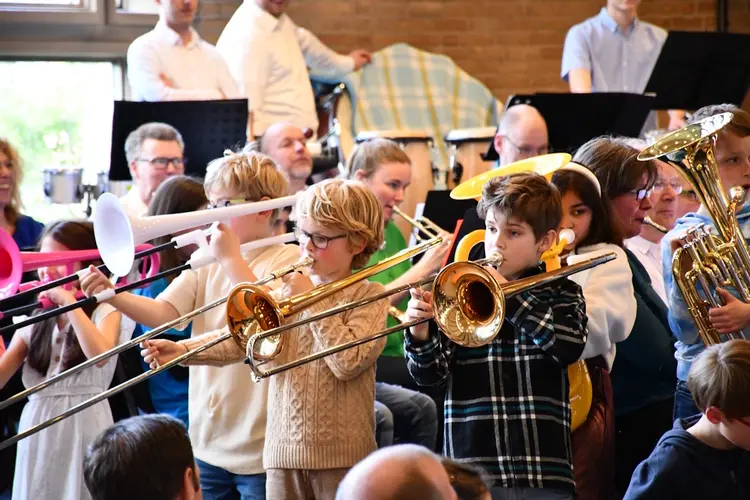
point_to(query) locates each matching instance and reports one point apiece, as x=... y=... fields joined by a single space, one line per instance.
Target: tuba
x=706 y=261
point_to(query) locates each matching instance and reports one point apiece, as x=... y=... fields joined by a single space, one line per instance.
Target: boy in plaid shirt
x=507 y=407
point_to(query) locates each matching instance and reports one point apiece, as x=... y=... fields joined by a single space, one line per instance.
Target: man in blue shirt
x=615 y=52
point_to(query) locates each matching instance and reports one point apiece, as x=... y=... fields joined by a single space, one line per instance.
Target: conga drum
x=466 y=147
x=418 y=146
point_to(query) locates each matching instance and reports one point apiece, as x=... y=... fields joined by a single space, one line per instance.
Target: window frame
x=99 y=13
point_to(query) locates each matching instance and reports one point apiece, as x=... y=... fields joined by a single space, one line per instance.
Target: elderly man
x=521 y=133
x=154 y=153
x=286 y=143
x=397 y=472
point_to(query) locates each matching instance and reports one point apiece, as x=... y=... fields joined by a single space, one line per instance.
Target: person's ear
x=191 y=488
x=133 y=167
x=546 y=241
x=360 y=176
x=498 y=143
x=714 y=415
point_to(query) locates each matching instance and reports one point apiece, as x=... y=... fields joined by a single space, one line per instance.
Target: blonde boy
x=227 y=410
x=321 y=416
x=705 y=456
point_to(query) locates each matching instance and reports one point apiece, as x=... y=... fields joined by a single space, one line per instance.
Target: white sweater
x=227 y=409
x=610 y=300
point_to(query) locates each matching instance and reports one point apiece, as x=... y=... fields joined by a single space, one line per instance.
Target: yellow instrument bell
x=545 y=165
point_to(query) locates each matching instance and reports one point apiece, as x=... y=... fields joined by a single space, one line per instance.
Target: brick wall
x=512 y=46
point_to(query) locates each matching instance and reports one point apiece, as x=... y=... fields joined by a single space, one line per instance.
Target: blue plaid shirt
x=507 y=407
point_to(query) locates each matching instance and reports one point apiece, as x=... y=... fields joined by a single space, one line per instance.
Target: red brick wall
x=512 y=46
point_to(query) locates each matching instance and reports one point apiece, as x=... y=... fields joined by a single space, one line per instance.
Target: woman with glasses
x=643 y=371
x=664 y=197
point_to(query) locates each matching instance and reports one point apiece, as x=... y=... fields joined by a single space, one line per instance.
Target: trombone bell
x=468 y=304
x=252 y=310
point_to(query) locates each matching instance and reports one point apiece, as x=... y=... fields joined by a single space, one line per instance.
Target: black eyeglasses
x=528 y=150
x=162 y=163
x=226 y=203
x=318 y=240
x=640 y=193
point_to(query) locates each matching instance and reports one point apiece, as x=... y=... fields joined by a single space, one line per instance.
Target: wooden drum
x=466 y=147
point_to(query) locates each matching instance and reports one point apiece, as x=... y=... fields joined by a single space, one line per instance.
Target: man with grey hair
x=397 y=473
x=521 y=133
x=154 y=152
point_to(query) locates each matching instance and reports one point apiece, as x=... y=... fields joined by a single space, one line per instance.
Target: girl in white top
x=608 y=289
x=49 y=464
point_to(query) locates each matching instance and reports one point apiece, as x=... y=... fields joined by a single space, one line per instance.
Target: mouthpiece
x=568 y=236
x=647 y=220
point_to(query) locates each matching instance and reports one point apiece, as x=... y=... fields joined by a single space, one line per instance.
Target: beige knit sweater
x=320 y=415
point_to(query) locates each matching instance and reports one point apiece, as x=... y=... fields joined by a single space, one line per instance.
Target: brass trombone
x=468 y=305
x=712 y=260
x=123 y=347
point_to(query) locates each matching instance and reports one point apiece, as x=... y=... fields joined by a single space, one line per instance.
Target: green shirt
x=394 y=243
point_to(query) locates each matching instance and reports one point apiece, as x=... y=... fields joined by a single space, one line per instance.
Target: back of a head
x=720 y=377
x=142 y=457
x=740 y=124
x=154 y=130
x=525 y=195
x=517 y=114
x=370 y=155
x=348 y=206
x=401 y=472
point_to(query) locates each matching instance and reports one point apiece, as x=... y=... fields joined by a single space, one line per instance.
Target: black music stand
x=573 y=119
x=207 y=127
x=444 y=211
x=697 y=69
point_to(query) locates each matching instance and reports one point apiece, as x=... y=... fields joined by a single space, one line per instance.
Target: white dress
x=49 y=464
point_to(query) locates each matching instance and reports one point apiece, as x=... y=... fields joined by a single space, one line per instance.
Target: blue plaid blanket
x=409 y=89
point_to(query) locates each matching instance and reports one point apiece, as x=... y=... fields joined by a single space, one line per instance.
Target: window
x=67 y=124
x=137 y=6
x=25 y=4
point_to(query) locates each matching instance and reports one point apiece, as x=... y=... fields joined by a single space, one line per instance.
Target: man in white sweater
x=268 y=55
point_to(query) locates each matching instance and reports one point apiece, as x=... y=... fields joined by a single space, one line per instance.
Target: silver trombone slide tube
x=111 y=392
x=146 y=336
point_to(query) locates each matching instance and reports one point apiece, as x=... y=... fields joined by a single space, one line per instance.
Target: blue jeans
x=220 y=484
x=500 y=493
x=684 y=406
x=383 y=425
x=414 y=414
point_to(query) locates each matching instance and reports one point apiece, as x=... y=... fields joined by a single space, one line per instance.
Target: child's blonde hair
x=350 y=207
x=251 y=175
x=720 y=377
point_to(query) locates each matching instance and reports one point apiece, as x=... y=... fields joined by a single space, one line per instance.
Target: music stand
x=444 y=211
x=573 y=119
x=697 y=69
x=207 y=127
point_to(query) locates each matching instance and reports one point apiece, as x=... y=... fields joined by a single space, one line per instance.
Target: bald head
x=397 y=473
x=522 y=133
x=285 y=143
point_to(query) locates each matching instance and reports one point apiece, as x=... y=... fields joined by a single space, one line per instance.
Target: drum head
x=478 y=134
x=398 y=135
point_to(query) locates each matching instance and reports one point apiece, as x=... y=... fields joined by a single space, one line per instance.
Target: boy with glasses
x=154 y=153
